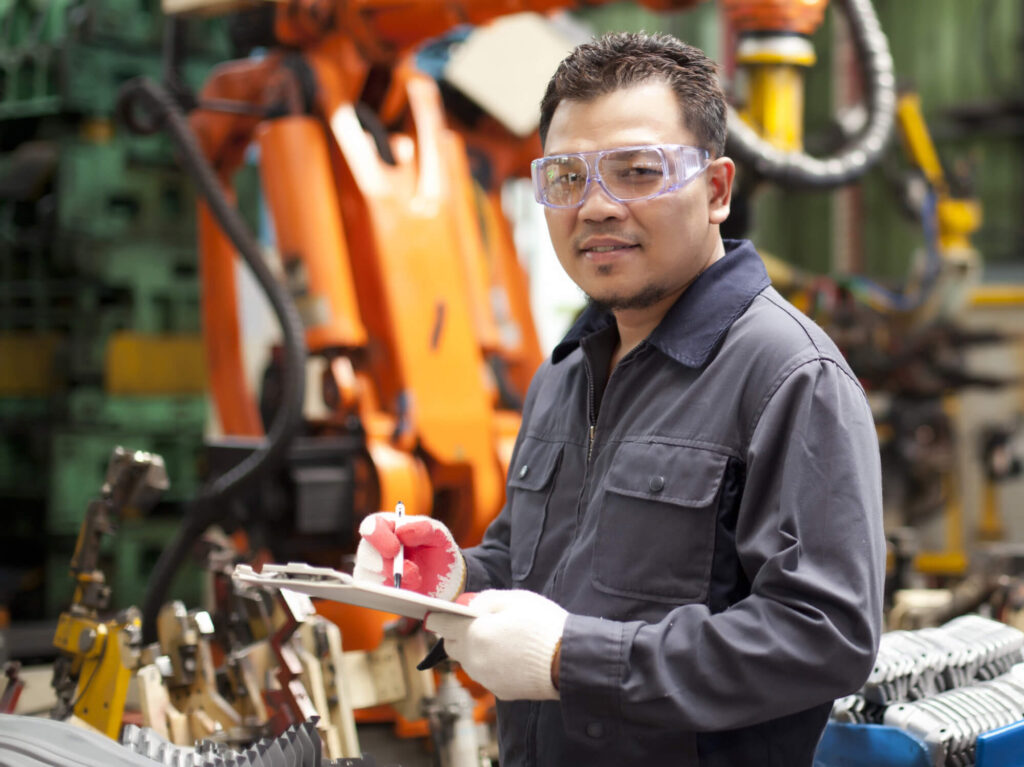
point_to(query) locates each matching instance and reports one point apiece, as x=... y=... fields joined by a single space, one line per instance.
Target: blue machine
x=875 y=745
x=1002 y=748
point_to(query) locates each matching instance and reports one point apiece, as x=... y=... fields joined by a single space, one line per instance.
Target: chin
x=642 y=298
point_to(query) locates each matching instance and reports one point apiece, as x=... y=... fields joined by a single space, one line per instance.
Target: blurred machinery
x=909 y=348
x=250 y=667
x=99 y=302
x=98 y=656
x=398 y=278
x=402 y=305
x=951 y=696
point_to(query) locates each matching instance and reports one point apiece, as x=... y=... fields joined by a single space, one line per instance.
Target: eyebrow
x=633 y=148
x=630 y=152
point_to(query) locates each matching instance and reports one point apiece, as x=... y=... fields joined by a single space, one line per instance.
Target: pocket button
x=595 y=729
x=524 y=471
x=657 y=483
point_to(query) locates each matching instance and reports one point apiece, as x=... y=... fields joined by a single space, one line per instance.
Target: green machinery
x=99 y=312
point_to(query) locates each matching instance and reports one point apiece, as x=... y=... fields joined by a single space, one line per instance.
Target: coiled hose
x=798 y=169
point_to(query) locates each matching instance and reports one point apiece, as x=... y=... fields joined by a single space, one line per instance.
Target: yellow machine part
x=957 y=218
x=775 y=107
x=917 y=139
x=941 y=562
x=137 y=363
x=998 y=295
x=775 y=98
x=103 y=669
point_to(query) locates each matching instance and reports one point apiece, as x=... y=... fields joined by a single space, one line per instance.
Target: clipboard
x=326 y=583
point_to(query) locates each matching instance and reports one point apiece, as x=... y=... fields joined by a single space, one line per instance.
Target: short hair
x=624 y=59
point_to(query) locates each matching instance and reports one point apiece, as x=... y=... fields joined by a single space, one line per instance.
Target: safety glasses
x=627 y=174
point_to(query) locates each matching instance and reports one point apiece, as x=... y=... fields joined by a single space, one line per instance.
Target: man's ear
x=720 y=175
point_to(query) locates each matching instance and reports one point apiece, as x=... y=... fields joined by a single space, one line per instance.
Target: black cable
x=174 y=45
x=371 y=123
x=162 y=112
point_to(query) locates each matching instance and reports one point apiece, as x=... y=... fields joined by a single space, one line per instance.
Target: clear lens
x=564 y=179
x=631 y=174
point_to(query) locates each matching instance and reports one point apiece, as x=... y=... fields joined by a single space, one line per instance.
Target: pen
x=400 y=556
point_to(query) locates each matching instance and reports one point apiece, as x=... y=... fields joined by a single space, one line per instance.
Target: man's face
x=638 y=255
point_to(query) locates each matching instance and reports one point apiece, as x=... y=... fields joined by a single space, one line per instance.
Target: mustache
x=605 y=231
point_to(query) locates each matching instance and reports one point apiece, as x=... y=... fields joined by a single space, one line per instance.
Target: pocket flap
x=535 y=464
x=682 y=475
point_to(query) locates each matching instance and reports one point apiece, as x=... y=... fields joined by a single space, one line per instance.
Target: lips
x=609 y=248
x=604 y=246
x=603 y=251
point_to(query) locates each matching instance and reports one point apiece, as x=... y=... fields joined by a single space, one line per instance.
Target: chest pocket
x=656 y=527
x=530 y=482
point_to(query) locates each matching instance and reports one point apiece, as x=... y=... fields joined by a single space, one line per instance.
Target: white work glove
x=433 y=563
x=510 y=647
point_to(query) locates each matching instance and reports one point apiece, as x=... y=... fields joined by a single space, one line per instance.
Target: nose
x=598 y=205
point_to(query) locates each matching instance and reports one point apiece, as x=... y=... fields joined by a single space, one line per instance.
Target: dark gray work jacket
x=711 y=519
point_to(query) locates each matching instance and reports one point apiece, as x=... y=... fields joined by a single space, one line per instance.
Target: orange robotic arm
x=419 y=329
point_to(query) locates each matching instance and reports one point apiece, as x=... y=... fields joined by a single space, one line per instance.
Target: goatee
x=646 y=298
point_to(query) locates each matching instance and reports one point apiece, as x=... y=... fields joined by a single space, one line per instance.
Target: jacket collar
x=695 y=324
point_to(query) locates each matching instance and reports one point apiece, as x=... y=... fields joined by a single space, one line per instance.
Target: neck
x=636 y=324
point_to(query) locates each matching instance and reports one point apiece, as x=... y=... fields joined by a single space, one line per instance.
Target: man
x=689 y=565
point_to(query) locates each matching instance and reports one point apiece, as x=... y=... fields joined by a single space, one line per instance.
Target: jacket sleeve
x=809 y=538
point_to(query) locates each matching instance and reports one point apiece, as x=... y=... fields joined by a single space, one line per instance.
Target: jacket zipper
x=591 y=435
x=591 y=417
x=586 y=472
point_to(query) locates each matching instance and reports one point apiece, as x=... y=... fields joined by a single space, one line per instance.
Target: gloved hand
x=509 y=649
x=433 y=563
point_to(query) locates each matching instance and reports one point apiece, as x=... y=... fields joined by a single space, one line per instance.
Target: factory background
x=919 y=277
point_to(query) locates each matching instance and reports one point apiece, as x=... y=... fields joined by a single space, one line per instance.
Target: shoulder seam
x=786 y=374
x=840 y=364
x=785 y=310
